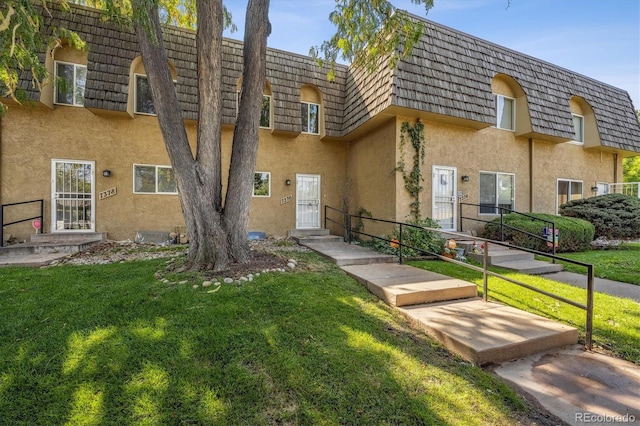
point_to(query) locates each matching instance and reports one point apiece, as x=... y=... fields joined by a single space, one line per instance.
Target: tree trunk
x=245 y=137
x=198 y=180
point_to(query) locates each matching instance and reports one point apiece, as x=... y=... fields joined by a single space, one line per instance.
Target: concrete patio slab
x=488 y=332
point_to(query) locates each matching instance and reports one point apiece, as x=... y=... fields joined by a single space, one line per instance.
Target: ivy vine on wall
x=412 y=176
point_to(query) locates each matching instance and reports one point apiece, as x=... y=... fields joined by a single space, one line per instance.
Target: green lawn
x=619 y=265
x=109 y=344
x=616 y=321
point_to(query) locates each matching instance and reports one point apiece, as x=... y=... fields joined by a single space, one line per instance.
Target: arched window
x=512 y=109
x=584 y=122
x=140 y=100
x=68 y=66
x=311 y=109
x=266 y=114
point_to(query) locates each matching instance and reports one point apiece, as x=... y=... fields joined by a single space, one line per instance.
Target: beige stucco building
x=501 y=129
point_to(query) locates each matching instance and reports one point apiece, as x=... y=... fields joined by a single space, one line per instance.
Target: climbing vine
x=412 y=177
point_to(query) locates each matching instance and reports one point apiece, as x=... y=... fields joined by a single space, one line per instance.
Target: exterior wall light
x=287 y=182
x=106 y=173
x=465 y=178
x=594 y=188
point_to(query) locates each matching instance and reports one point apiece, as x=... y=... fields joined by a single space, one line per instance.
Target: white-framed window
x=505 y=113
x=497 y=190
x=310 y=113
x=568 y=190
x=578 y=128
x=262 y=184
x=143 y=100
x=70 y=83
x=150 y=179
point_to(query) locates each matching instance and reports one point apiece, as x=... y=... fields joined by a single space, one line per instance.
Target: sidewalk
x=576 y=386
x=602 y=285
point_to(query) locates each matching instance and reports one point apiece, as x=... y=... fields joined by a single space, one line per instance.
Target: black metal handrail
x=504 y=225
x=347 y=219
x=3 y=224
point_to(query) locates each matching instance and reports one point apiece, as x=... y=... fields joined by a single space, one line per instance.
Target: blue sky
x=597 y=38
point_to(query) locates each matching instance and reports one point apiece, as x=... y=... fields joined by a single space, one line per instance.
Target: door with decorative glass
x=307 y=201
x=72 y=196
x=444 y=197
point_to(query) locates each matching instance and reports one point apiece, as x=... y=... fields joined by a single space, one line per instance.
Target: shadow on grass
x=109 y=345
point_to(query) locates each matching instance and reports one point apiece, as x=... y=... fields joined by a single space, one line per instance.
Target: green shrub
x=418 y=238
x=612 y=215
x=574 y=234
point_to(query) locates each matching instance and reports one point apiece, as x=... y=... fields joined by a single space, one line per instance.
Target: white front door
x=444 y=197
x=72 y=196
x=307 y=201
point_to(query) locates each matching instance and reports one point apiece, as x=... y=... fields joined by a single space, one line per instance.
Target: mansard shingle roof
x=449 y=73
x=112 y=50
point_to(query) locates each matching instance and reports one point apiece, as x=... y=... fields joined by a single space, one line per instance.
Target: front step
x=314 y=239
x=64 y=237
x=515 y=260
x=402 y=285
x=532 y=267
x=307 y=232
x=500 y=255
x=64 y=243
x=349 y=254
x=488 y=332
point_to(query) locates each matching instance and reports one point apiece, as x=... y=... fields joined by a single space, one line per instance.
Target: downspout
x=615 y=168
x=531 y=185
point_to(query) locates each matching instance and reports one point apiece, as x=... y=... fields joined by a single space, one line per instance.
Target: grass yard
x=109 y=344
x=616 y=321
x=622 y=264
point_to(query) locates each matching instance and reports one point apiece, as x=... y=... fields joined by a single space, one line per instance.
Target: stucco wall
x=372 y=159
x=32 y=137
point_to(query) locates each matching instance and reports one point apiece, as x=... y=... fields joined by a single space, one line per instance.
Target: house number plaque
x=285 y=200
x=108 y=193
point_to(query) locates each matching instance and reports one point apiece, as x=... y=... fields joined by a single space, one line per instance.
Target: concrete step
x=533 y=267
x=501 y=255
x=488 y=332
x=349 y=254
x=63 y=237
x=312 y=239
x=66 y=243
x=402 y=285
x=307 y=232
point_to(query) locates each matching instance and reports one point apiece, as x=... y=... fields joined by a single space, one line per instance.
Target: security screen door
x=72 y=193
x=307 y=201
x=444 y=197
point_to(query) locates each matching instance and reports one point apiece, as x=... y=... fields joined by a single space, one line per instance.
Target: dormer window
x=505 y=113
x=70 y=83
x=265 y=113
x=310 y=113
x=143 y=101
x=578 y=128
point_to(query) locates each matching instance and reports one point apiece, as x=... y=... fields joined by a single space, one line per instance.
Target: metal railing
x=504 y=226
x=346 y=225
x=627 y=188
x=3 y=224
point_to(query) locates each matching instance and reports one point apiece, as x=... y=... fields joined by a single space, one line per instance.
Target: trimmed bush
x=614 y=216
x=574 y=234
x=414 y=237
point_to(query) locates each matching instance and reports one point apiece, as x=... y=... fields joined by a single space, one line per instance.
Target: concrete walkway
x=602 y=285
x=576 y=386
